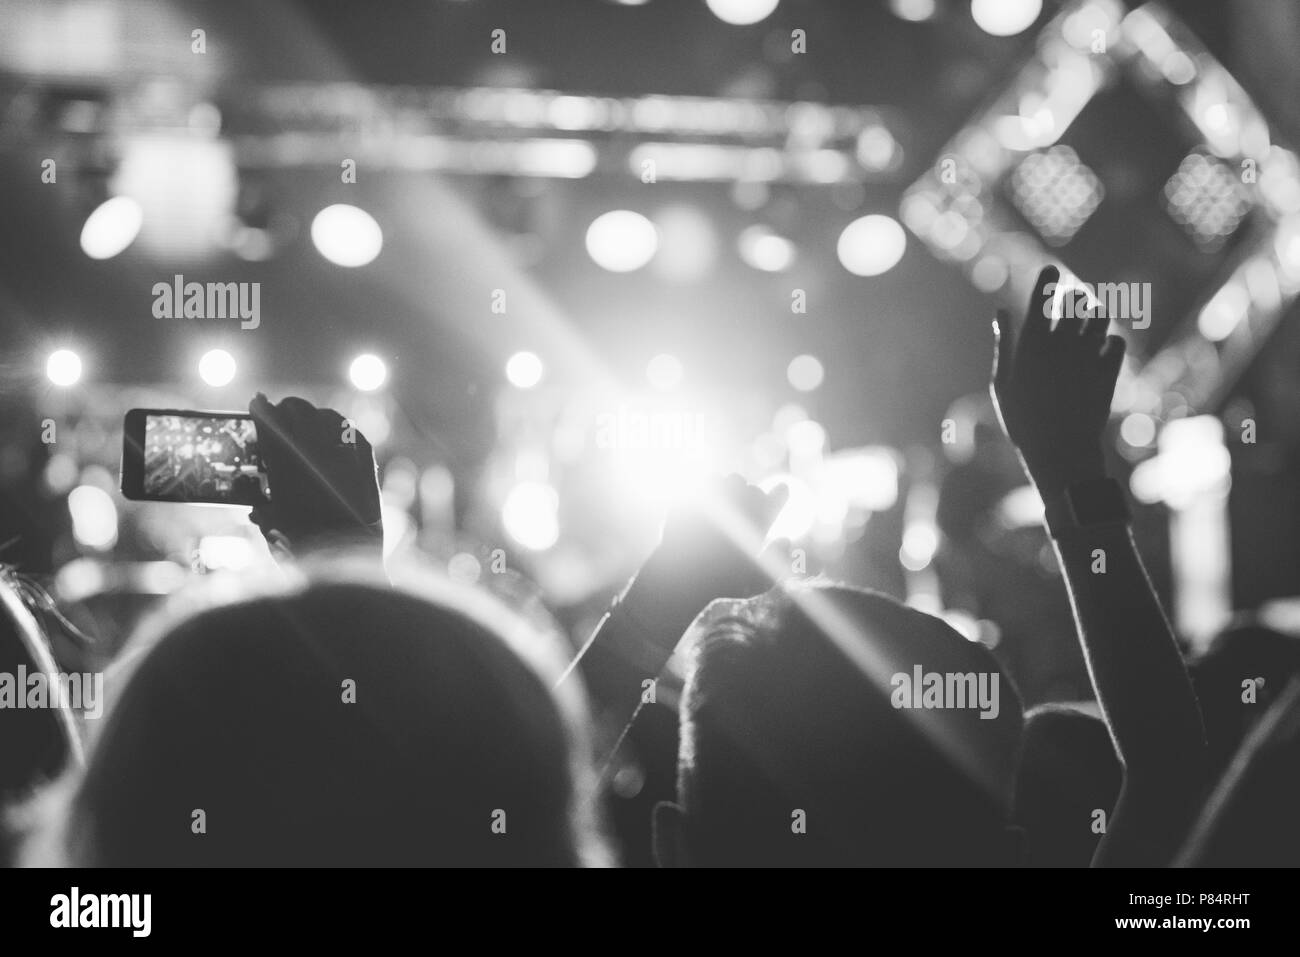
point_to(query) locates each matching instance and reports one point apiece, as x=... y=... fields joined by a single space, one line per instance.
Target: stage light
x=763 y=249
x=877 y=149
x=913 y=10
x=524 y=370
x=920 y=542
x=530 y=515
x=741 y=13
x=63 y=367
x=368 y=372
x=1005 y=18
x=94 y=517
x=1206 y=198
x=1286 y=244
x=864 y=478
x=346 y=235
x=1224 y=312
x=1022 y=507
x=1056 y=192
x=464 y=568
x=186 y=183
x=805 y=373
x=664 y=371
x=112 y=227
x=217 y=367
x=1138 y=430
x=621 y=240
x=871 y=245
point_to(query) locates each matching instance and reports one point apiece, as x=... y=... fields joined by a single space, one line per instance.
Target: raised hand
x=321 y=473
x=712 y=545
x=1053 y=387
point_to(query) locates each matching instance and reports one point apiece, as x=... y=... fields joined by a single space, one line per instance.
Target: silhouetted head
x=1250 y=818
x=833 y=726
x=337 y=723
x=1068 y=773
x=36 y=742
x=1242 y=672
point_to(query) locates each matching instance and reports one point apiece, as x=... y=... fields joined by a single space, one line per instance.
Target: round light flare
x=741 y=13
x=765 y=250
x=63 y=367
x=111 y=228
x=94 y=517
x=805 y=373
x=920 y=542
x=914 y=11
x=665 y=372
x=1138 y=430
x=530 y=515
x=524 y=370
x=217 y=367
x=621 y=240
x=368 y=372
x=1005 y=18
x=871 y=245
x=346 y=235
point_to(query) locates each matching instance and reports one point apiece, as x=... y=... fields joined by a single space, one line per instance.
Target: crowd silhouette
x=339 y=712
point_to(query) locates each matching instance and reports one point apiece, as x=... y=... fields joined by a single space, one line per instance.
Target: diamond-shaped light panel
x=1055 y=192
x=1206 y=197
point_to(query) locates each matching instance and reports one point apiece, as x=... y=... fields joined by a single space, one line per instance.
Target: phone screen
x=200 y=458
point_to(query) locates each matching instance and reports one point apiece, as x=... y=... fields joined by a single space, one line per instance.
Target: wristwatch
x=1088 y=504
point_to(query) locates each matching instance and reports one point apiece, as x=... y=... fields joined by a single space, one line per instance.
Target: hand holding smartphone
x=171 y=455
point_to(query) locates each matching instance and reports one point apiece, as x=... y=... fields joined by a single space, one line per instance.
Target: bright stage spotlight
x=63 y=367
x=913 y=10
x=112 y=227
x=741 y=13
x=805 y=373
x=217 y=367
x=524 y=370
x=1005 y=18
x=621 y=240
x=368 y=372
x=871 y=245
x=664 y=371
x=94 y=517
x=346 y=235
x=765 y=250
x=530 y=515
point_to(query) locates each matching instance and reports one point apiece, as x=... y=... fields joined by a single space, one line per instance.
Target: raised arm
x=707 y=552
x=1053 y=391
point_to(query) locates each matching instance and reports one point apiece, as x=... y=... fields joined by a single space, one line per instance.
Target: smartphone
x=171 y=455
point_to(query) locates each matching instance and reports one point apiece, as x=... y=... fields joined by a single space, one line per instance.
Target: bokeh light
x=621 y=240
x=347 y=236
x=871 y=245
